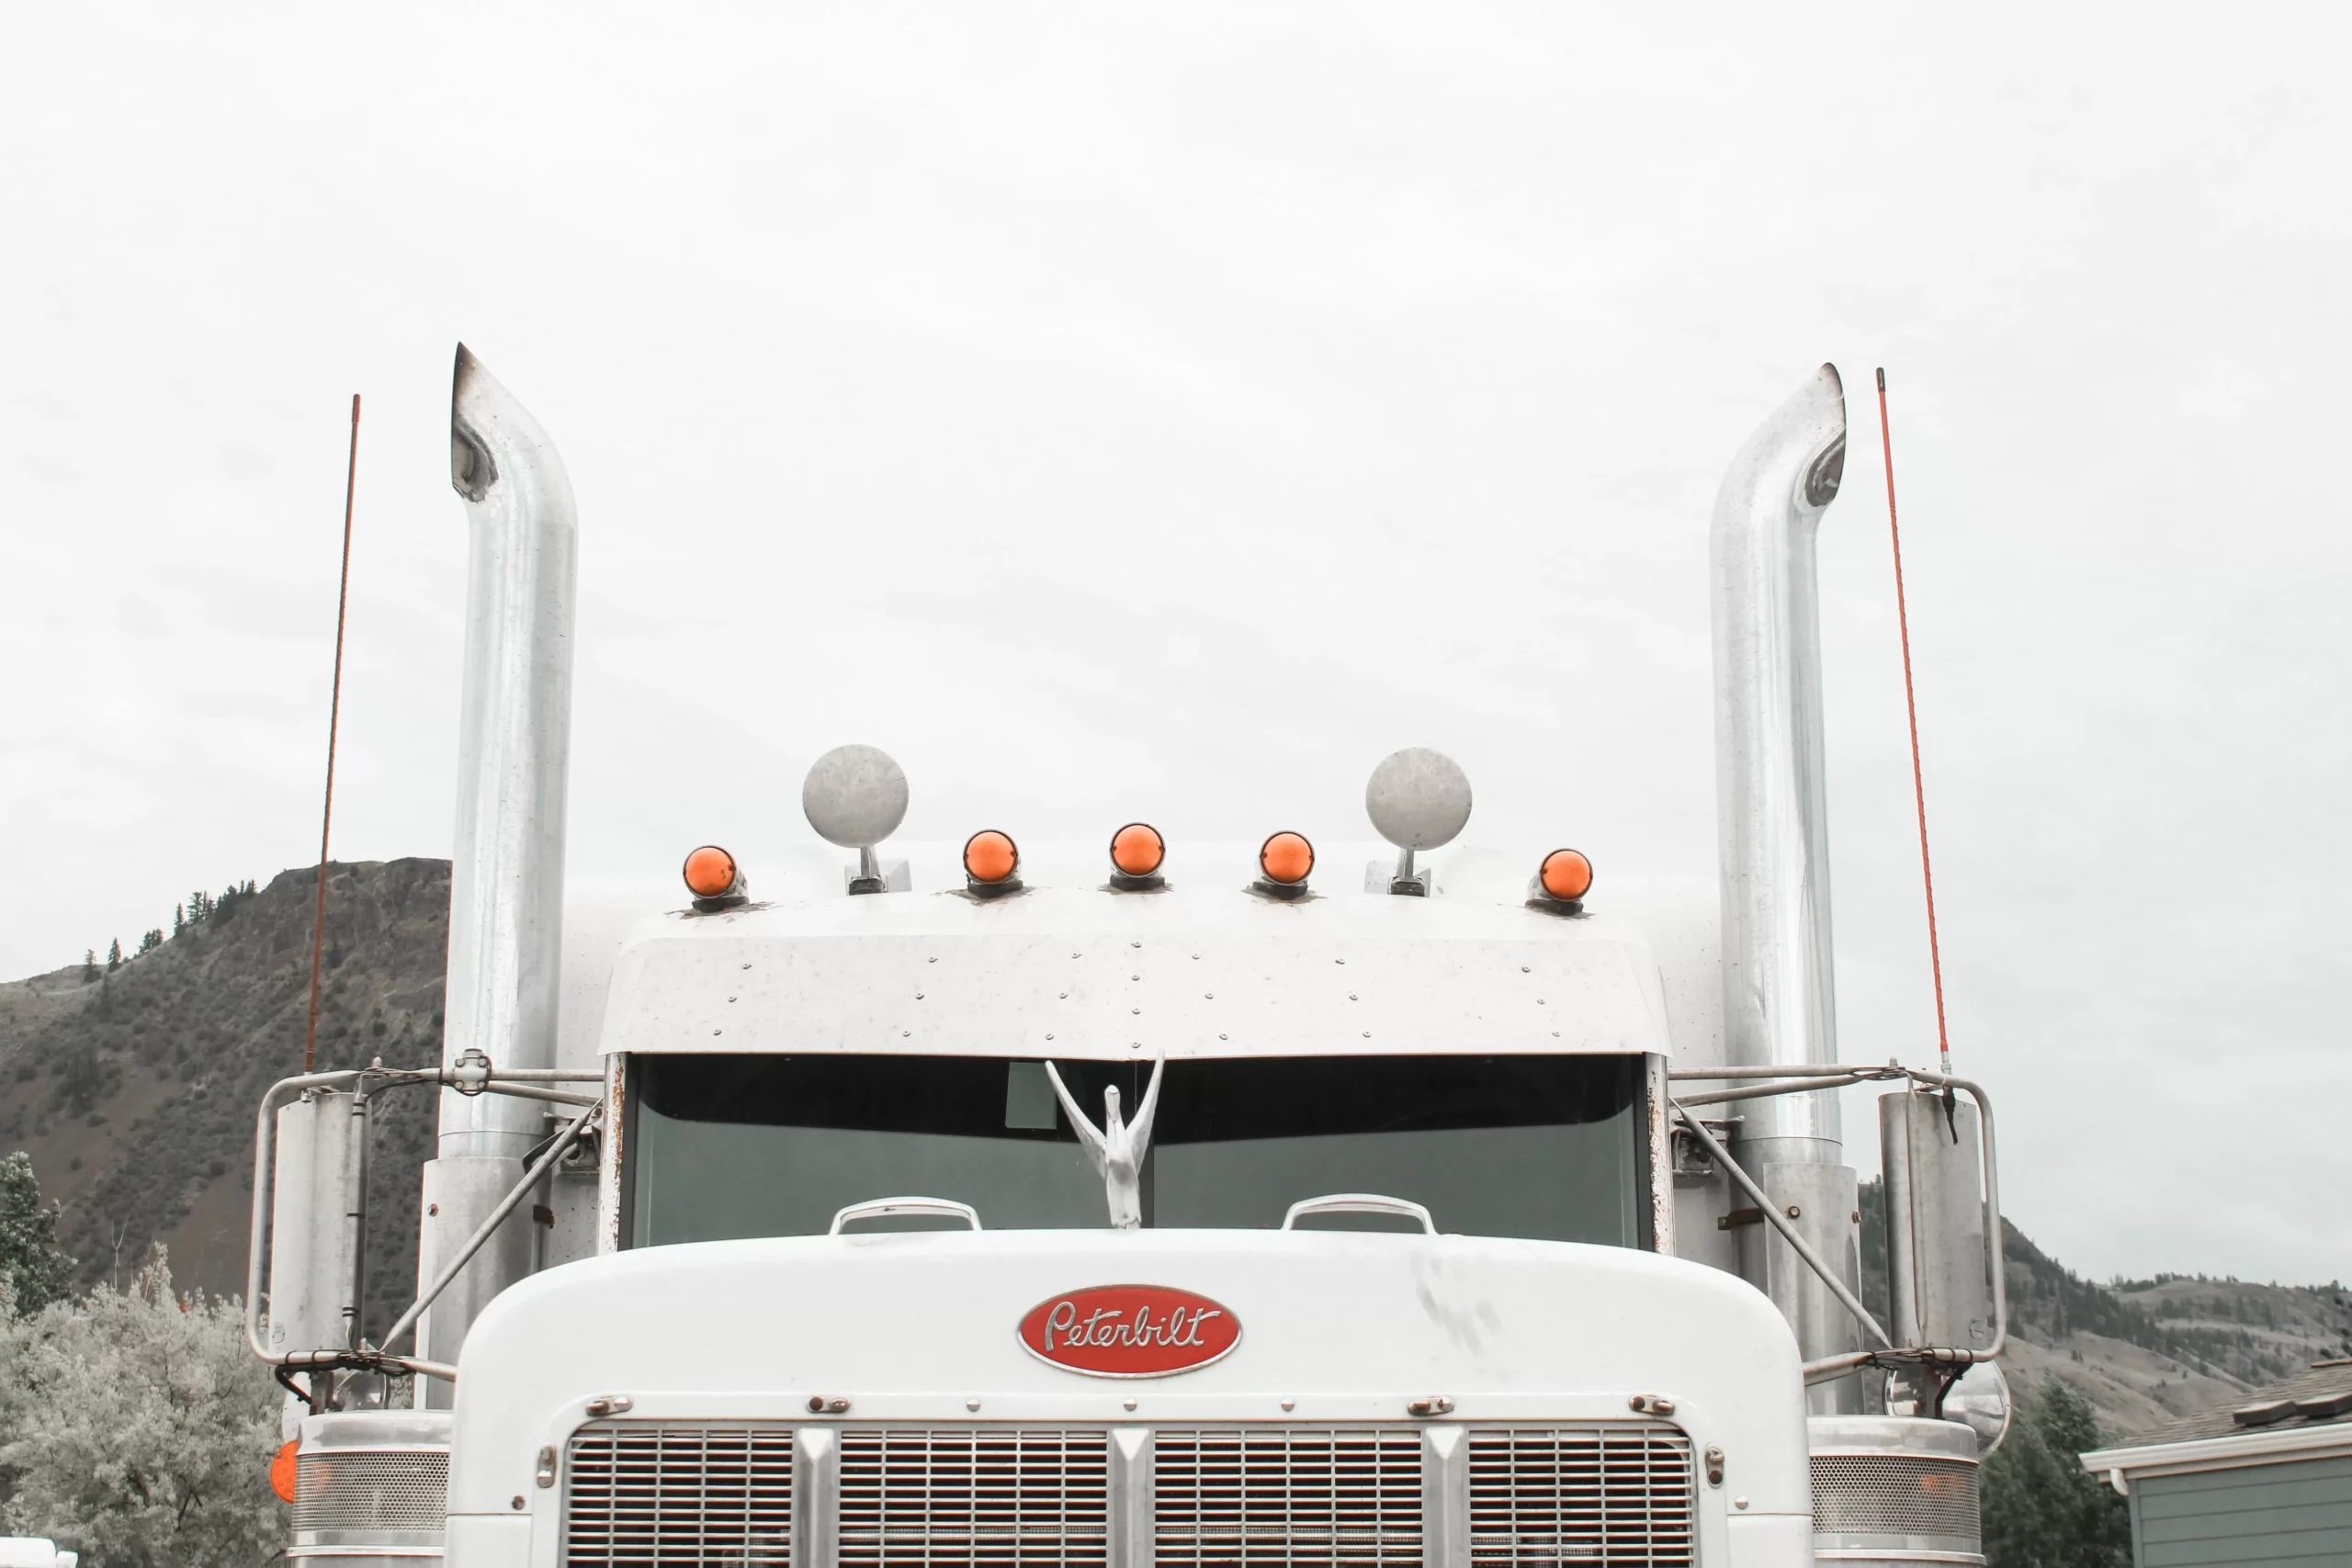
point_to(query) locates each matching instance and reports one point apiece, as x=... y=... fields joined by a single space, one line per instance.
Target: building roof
x=2309 y=1411
x=2319 y=1397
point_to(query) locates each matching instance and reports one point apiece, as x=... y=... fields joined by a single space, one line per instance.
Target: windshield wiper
x=1117 y=1147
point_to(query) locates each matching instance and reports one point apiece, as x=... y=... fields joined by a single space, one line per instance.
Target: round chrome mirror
x=1980 y=1401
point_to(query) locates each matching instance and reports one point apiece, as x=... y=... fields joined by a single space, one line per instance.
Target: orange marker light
x=710 y=873
x=1566 y=876
x=1286 y=858
x=990 y=856
x=1137 y=849
x=281 y=1470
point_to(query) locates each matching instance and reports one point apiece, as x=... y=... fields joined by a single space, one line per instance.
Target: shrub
x=139 y=1427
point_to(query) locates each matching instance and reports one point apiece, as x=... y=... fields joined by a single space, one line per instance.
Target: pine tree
x=32 y=1269
x=2041 y=1509
x=232 y=897
x=151 y=940
x=179 y=920
x=89 y=965
x=114 y=954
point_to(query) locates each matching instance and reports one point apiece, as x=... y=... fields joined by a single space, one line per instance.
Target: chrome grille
x=393 y=1497
x=685 y=1494
x=958 y=1497
x=1895 y=1494
x=1604 y=1495
x=1299 y=1496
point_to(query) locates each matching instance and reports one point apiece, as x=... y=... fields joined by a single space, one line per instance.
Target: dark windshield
x=1538 y=1146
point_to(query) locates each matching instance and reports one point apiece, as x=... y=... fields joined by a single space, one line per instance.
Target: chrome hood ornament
x=1117 y=1147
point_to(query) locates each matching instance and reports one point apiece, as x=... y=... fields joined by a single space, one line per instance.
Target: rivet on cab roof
x=747 y=967
x=1220 y=1037
x=716 y=1032
x=918 y=996
x=1049 y=1037
x=1367 y=1034
x=1134 y=944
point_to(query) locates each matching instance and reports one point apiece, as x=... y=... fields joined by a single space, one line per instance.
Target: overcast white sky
x=1167 y=411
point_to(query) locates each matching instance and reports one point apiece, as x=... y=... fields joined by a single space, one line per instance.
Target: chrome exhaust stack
x=1772 y=821
x=1773 y=849
x=506 y=876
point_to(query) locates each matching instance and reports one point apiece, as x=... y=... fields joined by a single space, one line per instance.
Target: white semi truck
x=1181 y=1207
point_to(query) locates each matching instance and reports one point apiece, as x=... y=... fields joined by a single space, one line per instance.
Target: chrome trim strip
x=1445 y=1497
x=817 y=1497
x=1132 y=1531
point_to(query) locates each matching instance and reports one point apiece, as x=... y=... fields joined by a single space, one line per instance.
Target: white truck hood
x=1346 y=1327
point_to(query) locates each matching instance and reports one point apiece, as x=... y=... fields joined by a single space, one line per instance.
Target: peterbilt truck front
x=1184 y=1205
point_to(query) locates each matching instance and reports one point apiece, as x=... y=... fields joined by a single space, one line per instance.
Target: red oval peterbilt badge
x=1129 y=1331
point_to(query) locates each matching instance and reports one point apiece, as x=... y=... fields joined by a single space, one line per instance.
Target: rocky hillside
x=134 y=1090
x=2143 y=1351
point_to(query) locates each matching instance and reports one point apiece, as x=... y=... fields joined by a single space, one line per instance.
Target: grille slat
x=1611 y=1495
x=950 y=1497
x=647 y=1495
x=1300 y=1497
x=678 y=1494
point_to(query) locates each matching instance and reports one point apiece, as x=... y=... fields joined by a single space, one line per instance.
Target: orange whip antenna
x=1911 y=703
x=335 y=717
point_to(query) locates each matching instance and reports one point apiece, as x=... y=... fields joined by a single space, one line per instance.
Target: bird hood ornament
x=1117 y=1147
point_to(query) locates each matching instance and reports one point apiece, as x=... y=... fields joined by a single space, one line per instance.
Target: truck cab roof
x=1075 y=968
